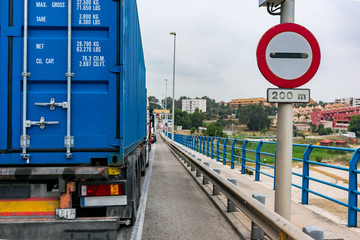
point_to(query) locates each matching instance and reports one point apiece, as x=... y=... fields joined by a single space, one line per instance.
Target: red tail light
x=102 y=190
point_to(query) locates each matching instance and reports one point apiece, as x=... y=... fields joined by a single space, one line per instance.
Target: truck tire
x=136 y=191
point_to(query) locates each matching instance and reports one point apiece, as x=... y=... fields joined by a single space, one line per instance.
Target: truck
x=73 y=118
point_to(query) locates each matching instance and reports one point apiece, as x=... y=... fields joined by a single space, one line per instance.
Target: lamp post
x=166 y=116
x=173 y=97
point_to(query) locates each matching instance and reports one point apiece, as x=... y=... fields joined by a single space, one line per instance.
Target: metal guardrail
x=241 y=152
x=273 y=225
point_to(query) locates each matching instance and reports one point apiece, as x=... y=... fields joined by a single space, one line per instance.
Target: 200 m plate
x=66 y=213
x=287 y=95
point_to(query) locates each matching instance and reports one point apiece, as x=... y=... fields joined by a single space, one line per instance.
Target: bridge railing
x=251 y=155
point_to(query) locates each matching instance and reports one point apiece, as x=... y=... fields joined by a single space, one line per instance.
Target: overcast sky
x=216 y=47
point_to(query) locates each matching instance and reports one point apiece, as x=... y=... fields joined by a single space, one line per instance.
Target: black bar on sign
x=288 y=55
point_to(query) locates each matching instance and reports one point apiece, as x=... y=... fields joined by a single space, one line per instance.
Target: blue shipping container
x=72 y=81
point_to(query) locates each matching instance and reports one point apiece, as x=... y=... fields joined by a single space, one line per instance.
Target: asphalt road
x=176 y=206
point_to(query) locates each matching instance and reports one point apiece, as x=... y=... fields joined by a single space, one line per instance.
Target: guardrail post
x=274 y=169
x=197 y=143
x=204 y=145
x=314 y=232
x=194 y=143
x=218 y=150
x=353 y=186
x=205 y=180
x=230 y=206
x=256 y=232
x=215 y=190
x=257 y=164
x=208 y=147
x=243 y=157
x=212 y=147
x=224 y=152
x=305 y=178
x=233 y=154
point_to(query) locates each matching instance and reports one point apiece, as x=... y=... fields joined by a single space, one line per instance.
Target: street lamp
x=173 y=97
x=166 y=116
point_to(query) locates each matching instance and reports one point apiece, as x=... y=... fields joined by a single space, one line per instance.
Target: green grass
x=317 y=155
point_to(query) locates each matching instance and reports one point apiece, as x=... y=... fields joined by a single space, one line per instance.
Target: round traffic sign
x=288 y=55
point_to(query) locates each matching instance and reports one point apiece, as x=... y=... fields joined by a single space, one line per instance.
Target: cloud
x=216 y=45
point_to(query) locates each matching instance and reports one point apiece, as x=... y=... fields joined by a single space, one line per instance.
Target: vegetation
x=321 y=130
x=355 y=125
x=255 y=117
x=189 y=121
x=183 y=119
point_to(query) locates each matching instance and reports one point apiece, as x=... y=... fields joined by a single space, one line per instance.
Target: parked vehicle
x=73 y=137
x=152 y=128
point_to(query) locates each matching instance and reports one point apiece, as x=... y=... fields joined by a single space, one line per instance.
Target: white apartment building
x=189 y=105
x=353 y=102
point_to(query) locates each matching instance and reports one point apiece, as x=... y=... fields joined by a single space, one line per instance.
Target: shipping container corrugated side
x=102 y=68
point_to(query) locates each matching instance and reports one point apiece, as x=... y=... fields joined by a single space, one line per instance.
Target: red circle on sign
x=261 y=55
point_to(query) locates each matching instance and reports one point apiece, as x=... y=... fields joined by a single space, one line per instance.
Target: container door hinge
x=52 y=104
x=69 y=143
x=26 y=74
x=25 y=142
x=42 y=123
x=69 y=74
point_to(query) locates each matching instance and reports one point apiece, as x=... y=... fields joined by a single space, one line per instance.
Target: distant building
x=248 y=101
x=352 y=102
x=189 y=105
x=339 y=118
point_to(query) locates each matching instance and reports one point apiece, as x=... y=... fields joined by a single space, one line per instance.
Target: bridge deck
x=176 y=206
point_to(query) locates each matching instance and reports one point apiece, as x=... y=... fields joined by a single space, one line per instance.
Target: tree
x=153 y=99
x=321 y=130
x=182 y=119
x=214 y=130
x=197 y=118
x=355 y=125
x=168 y=103
x=255 y=117
x=178 y=103
x=271 y=111
x=211 y=107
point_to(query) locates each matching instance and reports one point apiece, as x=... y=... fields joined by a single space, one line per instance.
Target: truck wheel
x=136 y=182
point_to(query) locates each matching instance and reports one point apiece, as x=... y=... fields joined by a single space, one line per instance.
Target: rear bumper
x=81 y=228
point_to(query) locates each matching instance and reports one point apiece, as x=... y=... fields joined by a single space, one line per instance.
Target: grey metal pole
x=283 y=170
x=173 y=103
x=166 y=115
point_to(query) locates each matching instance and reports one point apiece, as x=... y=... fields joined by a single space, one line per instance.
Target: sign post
x=288 y=56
